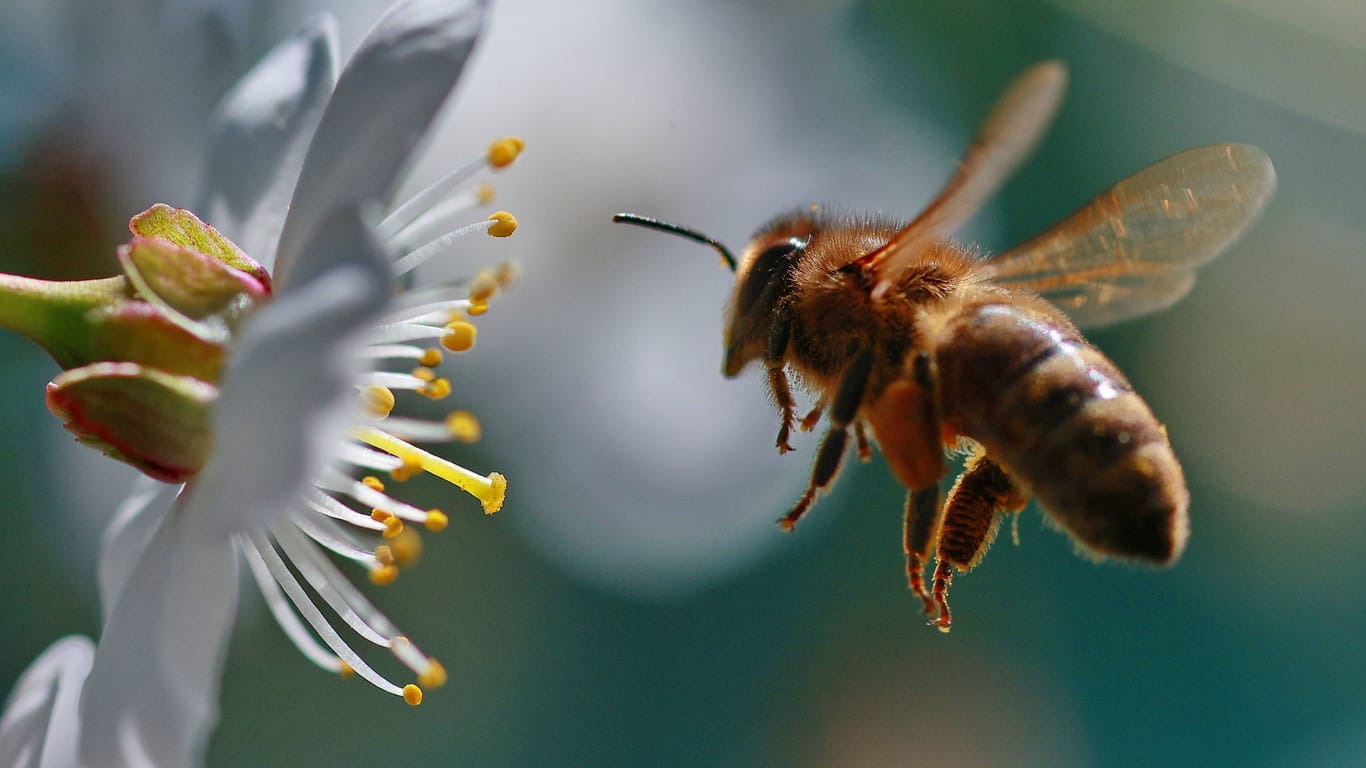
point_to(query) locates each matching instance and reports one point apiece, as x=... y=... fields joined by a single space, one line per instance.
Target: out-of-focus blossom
x=300 y=402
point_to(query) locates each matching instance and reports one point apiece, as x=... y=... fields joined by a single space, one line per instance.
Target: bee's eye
x=768 y=266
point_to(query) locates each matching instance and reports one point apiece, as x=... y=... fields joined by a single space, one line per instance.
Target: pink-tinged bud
x=179 y=226
x=153 y=420
x=143 y=351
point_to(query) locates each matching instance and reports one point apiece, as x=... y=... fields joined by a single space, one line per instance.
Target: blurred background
x=633 y=603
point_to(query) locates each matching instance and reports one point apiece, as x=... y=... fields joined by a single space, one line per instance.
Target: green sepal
x=187 y=281
x=183 y=228
x=156 y=421
x=139 y=332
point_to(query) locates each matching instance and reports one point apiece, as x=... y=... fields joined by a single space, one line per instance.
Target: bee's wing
x=1012 y=129
x=1133 y=249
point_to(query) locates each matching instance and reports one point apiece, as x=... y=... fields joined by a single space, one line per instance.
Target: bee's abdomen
x=1065 y=423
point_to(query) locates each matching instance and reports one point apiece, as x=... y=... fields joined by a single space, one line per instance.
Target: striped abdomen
x=1066 y=425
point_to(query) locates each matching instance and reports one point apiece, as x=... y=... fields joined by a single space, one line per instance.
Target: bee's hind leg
x=976 y=503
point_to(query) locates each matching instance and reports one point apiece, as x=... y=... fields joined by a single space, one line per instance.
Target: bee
x=911 y=341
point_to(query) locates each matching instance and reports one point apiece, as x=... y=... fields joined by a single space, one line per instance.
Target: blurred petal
x=258 y=137
x=38 y=729
x=386 y=98
x=127 y=536
x=152 y=695
x=274 y=421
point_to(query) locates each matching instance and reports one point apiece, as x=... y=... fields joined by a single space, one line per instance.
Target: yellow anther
x=437 y=520
x=508 y=273
x=379 y=515
x=503 y=151
x=384 y=554
x=490 y=490
x=460 y=336
x=412 y=694
x=425 y=374
x=484 y=287
x=407 y=546
x=437 y=390
x=477 y=309
x=431 y=357
x=377 y=399
x=483 y=194
x=434 y=676
x=405 y=472
x=504 y=224
x=373 y=483
x=385 y=574
x=464 y=426
x=393 y=526
x=345 y=670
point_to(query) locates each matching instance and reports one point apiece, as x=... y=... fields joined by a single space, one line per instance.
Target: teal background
x=804 y=650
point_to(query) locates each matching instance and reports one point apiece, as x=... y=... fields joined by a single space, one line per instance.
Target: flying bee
x=914 y=342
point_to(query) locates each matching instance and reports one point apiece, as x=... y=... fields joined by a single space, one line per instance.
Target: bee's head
x=762 y=279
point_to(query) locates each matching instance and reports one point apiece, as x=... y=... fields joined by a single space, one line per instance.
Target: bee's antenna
x=664 y=226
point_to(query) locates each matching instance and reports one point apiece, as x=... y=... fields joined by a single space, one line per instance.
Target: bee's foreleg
x=775 y=354
x=853 y=385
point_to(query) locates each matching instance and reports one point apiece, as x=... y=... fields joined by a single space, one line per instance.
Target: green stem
x=53 y=314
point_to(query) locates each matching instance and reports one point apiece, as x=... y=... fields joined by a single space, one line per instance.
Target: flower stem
x=52 y=314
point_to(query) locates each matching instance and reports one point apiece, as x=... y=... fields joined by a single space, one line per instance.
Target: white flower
x=286 y=426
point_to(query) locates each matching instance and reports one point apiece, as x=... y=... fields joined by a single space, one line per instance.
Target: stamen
x=415 y=257
x=428 y=356
x=367 y=458
x=423 y=200
x=460 y=336
x=434 y=310
x=323 y=577
x=464 y=427
x=406 y=548
x=394 y=380
x=489 y=490
x=380 y=502
x=378 y=400
x=421 y=664
x=412 y=695
x=484 y=287
x=434 y=676
x=336 y=539
x=260 y=549
x=461 y=426
x=437 y=389
x=508 y=272
x=504 y=224
x=286 y=617
x=398 y=332
x=505 y=150
x=321 y=502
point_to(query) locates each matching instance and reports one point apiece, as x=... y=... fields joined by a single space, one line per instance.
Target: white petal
x=286 y=396
x=386 y=98
x=152 y=696
x=134 y=523
x=258 y=137
x=40 y=722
